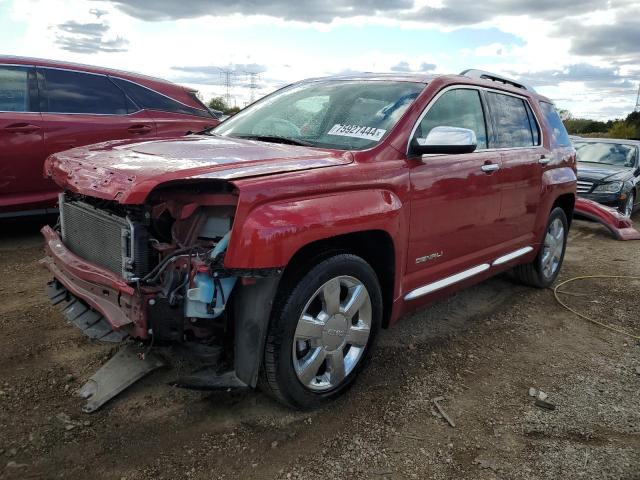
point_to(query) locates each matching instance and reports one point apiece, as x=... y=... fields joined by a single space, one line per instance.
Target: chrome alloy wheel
x=332 y=333
x=552 y=248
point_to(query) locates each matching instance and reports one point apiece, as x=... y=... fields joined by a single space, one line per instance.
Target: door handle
x=22 y=128
x=490 y=167
x=543 y=160
x=139 y=129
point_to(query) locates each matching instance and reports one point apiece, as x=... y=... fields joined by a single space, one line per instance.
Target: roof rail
x=481 y=74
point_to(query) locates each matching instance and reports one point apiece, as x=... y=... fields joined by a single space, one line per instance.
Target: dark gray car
x=609 y=172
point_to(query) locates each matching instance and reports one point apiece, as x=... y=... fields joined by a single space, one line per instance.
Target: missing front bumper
x=92 y=323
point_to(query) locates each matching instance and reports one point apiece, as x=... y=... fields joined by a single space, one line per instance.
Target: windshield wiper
x=275 y=139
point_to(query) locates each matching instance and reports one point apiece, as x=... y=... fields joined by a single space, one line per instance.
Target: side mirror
x=447 y=140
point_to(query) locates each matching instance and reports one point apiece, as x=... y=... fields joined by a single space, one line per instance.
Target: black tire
x=532 y=274
x=278 y=376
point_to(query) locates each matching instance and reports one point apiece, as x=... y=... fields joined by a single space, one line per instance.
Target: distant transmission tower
x=253 y=85
x=637 y=109
x=228 y=77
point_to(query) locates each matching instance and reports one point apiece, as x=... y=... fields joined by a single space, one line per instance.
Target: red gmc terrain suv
x=285 y=238
x=48 y=106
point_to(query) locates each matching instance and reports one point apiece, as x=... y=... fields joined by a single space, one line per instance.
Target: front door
x=455 y=199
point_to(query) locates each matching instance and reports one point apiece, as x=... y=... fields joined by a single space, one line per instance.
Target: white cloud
x=71 y=29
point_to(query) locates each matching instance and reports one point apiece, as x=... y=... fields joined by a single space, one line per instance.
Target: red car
x=48 y=106
x=287 y=236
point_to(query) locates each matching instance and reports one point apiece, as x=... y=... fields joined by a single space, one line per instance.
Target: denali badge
x=431 y=256
x=335 y=332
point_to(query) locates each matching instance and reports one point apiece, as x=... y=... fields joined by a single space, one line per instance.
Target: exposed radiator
x=104 y=239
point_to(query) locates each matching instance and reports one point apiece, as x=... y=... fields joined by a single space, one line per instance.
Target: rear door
x=21 y=140
x=80 y=108
x=455 y=199
x=517 y=137
x=172 y=118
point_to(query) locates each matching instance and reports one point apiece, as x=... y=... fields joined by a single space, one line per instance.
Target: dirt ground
x=481 y=349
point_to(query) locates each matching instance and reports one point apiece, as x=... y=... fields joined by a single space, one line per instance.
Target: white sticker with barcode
x=356 y=131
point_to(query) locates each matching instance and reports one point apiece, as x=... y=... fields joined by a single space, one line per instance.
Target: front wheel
x=321 y=332
x=544 y=269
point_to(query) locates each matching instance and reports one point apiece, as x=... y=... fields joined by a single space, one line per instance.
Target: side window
x=512 y=121
x=150 y=100
x=14 y=89
x=77 y=92
x=559 y=135
x=535 y=128
x=460 y=108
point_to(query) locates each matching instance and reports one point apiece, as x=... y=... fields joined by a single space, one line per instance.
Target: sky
x=584 y=55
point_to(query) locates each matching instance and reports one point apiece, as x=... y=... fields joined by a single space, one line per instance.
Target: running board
x=460 y=276
x=125 y=368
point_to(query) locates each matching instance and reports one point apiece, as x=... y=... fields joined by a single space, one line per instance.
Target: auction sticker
x=356 y=131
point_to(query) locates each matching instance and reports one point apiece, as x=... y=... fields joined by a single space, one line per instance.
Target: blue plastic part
x=201 y=295
x=221 y=246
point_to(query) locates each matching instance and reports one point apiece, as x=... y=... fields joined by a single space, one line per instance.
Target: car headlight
x=612 y=187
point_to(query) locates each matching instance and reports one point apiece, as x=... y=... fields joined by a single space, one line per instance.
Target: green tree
x=565 y=114
x=217 y=103
x=621 y=129
x=634 y=119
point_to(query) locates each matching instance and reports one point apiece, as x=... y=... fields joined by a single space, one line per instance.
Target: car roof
x=392 y=77
x=606 y=140
x=42 y=62
x=427 y=78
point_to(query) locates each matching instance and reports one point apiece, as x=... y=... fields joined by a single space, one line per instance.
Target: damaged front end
x=155 y=274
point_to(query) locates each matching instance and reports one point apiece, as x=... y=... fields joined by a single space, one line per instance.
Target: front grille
x=584 y=187
x=104 y=239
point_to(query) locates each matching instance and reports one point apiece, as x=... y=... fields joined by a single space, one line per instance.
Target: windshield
x=346 y=115
x=617 y=154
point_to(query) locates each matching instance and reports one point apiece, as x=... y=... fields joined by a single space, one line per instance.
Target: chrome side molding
x=445 y=282
x=458 y=277
x=511 y=256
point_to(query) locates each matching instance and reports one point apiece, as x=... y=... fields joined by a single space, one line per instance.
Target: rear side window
x=460 y=108
x=150 y=100
x=77 y=92
x=513 y=121
x=559 y=135
x=535 y=128
x=14 y=89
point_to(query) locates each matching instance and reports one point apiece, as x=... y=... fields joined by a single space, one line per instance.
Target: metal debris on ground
x=441 y=410
x=539 y=394
x=124 y=369
x=543 y=404
x=540 y=399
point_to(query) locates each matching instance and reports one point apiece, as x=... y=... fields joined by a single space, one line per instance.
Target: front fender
x=564 y=178
x=270 y=234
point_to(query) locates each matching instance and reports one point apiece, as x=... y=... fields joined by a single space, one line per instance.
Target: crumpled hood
x=608 y=173
x=127 y=170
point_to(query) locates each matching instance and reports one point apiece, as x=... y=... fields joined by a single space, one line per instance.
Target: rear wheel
x=321 y=332
x=544 y=269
